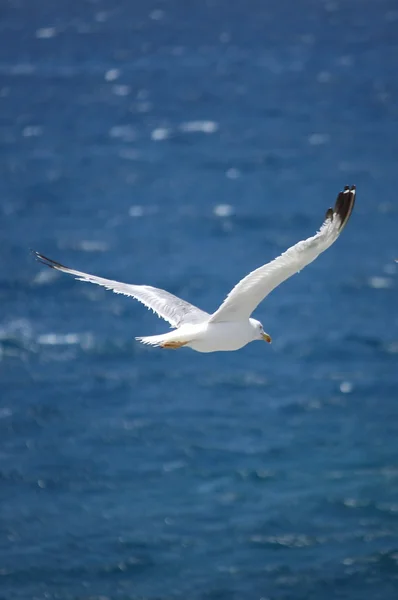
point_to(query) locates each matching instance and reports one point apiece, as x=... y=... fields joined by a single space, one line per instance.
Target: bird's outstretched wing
x=250 y=291
x=167 y=306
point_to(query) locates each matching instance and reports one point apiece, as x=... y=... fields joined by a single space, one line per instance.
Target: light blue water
x=182 y=145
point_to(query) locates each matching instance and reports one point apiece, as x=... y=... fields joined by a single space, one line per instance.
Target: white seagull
x=231 y=326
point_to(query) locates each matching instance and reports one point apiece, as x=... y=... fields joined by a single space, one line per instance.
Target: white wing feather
x=250 y=291
x=167 y=306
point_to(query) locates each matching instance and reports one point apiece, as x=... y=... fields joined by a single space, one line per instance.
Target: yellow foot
x=173 y=345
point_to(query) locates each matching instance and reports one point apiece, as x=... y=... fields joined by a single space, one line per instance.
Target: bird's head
x=258 y=331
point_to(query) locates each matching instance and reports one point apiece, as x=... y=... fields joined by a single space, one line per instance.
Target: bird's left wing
x=167 y=306
x=250 y=291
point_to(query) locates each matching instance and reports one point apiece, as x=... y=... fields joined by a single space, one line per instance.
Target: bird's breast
x=222 y=337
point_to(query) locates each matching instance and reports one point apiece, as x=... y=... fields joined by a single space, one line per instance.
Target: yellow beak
x=267 y=338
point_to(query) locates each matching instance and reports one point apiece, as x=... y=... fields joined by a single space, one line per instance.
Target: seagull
x=230 y=327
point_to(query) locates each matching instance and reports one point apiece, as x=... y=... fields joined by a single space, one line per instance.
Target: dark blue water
x=182 y=144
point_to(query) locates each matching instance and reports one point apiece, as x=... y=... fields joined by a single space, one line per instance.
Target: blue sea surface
x=182 y=144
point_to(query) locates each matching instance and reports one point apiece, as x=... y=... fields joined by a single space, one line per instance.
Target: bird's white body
x=209 y=337
x=230 y=327
x=223 y=337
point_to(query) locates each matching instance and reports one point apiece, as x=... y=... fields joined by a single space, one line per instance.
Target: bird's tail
x=151 y=340
x=172 y=339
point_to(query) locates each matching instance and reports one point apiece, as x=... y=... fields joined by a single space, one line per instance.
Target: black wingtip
x=344 y=204
x=46 y=261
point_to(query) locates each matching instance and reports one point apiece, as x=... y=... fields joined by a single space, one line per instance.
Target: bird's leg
x=173 y=345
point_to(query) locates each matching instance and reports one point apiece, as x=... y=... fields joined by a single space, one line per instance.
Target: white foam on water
x=199 y=127
x=233 y=173
x=380 y=283
x=112 y=74
x=346 y=387
x=126 y=133
x=223 y=210
x=85 y=340
x=16 y=329
x=121 y=90
x=45 y=33
x=32 y=131
x=136 y=211
x=318 y=139
x=159 y=134
x=45 y=276
x=92 y=246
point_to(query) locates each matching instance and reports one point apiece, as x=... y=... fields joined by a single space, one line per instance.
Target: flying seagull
x=231 y=326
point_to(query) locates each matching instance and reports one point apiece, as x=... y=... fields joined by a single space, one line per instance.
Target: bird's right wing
x=167 y=306
x=250 y=291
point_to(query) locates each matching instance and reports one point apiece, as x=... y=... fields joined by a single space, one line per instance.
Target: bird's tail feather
x=152 y=340
x=174 y=338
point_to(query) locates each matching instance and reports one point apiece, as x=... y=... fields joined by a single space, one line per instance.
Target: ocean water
x=182 y=144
